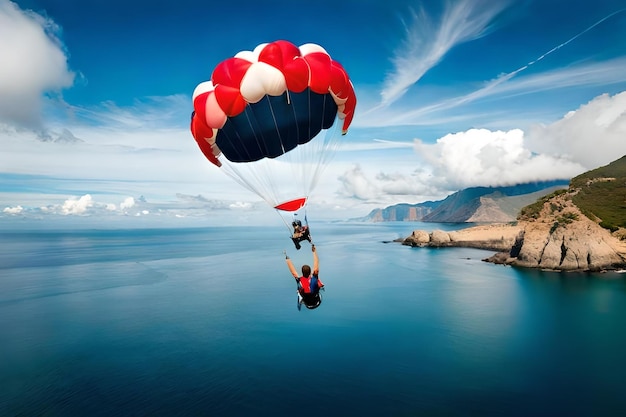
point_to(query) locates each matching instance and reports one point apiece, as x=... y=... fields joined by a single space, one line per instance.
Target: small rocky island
x=554 y=233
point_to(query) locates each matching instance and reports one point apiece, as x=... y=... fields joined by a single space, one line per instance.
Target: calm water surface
x=204 y=322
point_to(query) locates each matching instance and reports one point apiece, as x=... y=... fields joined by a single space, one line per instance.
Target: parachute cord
x=249 y=116
x=286 y=224
x=306 y=221
x=280 y=138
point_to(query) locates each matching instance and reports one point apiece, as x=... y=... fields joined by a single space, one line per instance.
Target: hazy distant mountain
x=476 y=204
x=401 y=212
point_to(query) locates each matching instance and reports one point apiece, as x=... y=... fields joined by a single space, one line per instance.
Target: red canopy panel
x=292 y=205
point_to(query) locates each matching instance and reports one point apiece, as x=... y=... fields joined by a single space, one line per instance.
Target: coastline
x=582 y=246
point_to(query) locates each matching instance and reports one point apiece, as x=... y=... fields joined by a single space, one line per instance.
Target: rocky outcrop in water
x=559 y=238
x=497 y=237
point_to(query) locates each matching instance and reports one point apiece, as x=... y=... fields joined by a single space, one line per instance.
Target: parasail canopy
x=270 y=118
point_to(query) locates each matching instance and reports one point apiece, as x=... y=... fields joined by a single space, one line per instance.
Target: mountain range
x=476 y=204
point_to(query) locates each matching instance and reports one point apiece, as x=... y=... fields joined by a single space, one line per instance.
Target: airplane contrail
x=556 y=48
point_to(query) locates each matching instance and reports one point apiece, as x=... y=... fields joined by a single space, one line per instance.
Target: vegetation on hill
x=600 y=194
x=533 y=211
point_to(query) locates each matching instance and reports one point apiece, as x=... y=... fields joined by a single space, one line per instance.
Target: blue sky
x=95 y=100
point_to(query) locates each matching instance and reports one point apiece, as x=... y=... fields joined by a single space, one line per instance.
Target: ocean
x=204 y=322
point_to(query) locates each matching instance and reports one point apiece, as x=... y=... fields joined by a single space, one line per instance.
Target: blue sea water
x=203 y=322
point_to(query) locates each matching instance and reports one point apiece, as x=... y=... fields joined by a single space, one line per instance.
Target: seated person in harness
x=300 y=233
x=309 y=284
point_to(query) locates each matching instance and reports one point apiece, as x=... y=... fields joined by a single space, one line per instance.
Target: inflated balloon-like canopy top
x=263 y=103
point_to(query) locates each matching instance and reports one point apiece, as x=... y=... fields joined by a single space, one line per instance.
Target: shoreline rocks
x=580 y=245
x=497 y=237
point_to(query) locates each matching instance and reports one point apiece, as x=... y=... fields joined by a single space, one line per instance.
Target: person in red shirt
x=309 y=284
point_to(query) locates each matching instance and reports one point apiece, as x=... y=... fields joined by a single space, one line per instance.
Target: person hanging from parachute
x=309 y=284
x=300 y=232
x=267 y=118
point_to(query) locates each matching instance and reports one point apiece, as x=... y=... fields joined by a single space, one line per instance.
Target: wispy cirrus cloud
x=427 y=42
x=577 y=76
x=510 y=84
x=161 y=112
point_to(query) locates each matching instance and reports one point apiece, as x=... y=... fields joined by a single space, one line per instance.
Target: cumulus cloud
x=13 y=210
x=477 y=157
x=127 y=203
x=593 y=135
x=77 y=206
x=480 y=157
x=85 y=207
x=355 y=184
x=239 y=205
x=34 y=62
x=584 y=139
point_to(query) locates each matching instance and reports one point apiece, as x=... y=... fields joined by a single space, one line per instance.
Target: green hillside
x=602 y=194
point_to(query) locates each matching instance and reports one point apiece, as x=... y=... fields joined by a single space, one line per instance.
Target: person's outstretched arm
x=292 y=268
x=316 y=261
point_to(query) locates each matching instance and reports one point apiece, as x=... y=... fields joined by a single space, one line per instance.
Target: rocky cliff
x=555 y=235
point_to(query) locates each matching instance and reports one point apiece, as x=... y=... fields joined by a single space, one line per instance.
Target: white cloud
x=425 y=45
x=157 y=112
x=356 y=185
x=582 y=140
x=576 y=76
x=127 y=203
x=166 y=166
x=375 y=144
x=13 y=210
x=480 y=157
x=125 y=160
x=415 y=183
x=377 y=185
x=594 y=135
x=77 y=206
x=477 y=157
x=33 y=63
x=238 y=205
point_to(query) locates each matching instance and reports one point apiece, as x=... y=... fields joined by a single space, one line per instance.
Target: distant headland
x=582 y=228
